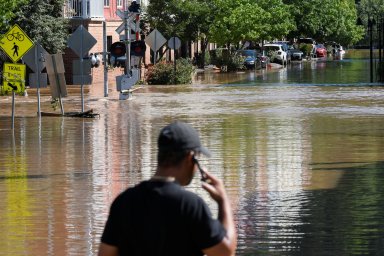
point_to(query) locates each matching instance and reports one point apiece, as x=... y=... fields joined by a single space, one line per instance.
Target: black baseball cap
x=180 y=136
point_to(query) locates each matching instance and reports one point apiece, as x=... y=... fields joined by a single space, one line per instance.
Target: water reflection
x=303 y=164
x=321 y=72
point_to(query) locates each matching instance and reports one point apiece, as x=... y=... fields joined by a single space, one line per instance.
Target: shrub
x=306 y=49
x=272 y=56
x=164 y=73
x=223 y=57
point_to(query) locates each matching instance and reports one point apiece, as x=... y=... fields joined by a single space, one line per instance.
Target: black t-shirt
x=161 y=218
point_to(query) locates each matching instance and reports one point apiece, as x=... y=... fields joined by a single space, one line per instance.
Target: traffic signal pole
x=124 y=83
x=127 y=70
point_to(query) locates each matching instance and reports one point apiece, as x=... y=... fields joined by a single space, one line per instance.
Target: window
x=109 y=42
x=106 y=3
x=119 y=3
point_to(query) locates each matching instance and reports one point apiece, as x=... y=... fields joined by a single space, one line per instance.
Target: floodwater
x=300 y=151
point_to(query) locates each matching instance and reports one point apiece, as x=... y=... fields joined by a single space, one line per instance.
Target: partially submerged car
x=276 y=53
x=296 y=54
x=253 y=59
x=320 y=51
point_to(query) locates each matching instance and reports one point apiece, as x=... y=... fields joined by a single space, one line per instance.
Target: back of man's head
x=176 y=140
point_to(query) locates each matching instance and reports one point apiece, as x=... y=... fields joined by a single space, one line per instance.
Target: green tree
x=327 y=20
x=7 y=12
x=43 y=21
x=370 y=9
x=250 y=20
x=188 y=20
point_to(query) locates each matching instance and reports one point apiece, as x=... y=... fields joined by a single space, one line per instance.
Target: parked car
x=320 y=51
x=253 y=59
x=296 y=54
x=286 y=48
x=250 y=58
x=276 y=53
x=307 y=40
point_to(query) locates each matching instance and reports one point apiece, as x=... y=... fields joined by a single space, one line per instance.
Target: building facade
x=94 y=15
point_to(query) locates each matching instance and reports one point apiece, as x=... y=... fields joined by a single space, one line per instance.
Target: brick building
x=94 y=15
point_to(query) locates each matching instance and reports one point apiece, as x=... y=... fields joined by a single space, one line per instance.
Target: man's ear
x=189 y=156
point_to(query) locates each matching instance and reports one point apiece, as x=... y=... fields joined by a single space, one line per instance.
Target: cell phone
x=203 y=175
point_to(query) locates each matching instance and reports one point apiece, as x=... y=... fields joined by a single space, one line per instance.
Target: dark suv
x=307 y=40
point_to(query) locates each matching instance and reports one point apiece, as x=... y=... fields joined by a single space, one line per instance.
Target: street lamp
x=380 y=30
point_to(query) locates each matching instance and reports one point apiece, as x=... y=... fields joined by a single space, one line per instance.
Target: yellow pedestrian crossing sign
x=13 y=78
x=16 y=43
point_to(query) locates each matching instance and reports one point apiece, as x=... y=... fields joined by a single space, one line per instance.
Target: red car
x=321 y=51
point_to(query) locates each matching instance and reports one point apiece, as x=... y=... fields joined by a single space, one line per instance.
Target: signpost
x=15 y=44
x=55 y=71
x=155 y=40
x=81 y=41
x=174 y=43
x=36 y=61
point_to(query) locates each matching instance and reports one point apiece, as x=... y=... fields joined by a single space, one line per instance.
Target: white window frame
x=106 y=3
x=119 y=3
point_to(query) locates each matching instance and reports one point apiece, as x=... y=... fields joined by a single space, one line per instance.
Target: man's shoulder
x=170 y=190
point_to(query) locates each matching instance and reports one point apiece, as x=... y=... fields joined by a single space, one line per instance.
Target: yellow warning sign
x=13 y=78
x=16 y=43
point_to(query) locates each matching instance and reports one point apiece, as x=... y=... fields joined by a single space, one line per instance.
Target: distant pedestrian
x=158 y=217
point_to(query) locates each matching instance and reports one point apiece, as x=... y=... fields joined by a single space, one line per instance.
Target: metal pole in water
x=81 y=66
x=370 y=30
x=13 y=110
x=105 y=59
x=174 y=59
x=38 y=80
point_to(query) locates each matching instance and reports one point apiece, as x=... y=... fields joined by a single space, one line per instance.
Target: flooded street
x=300 y=150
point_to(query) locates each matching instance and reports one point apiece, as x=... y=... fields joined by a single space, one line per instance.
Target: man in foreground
x=160 y=217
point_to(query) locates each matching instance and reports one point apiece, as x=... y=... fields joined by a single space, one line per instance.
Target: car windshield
x=247 y=53
x=271 y=48
x=305 y=41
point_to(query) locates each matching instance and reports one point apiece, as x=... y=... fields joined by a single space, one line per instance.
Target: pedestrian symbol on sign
x=15 y=49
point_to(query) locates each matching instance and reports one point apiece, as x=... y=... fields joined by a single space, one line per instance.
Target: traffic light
x=138 y=48
x=134 y=7
x=117 y=51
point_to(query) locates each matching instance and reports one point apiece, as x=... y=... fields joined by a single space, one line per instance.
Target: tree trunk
x=204 y=44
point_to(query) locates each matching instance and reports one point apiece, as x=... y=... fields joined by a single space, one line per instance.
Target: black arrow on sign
x=14 y=87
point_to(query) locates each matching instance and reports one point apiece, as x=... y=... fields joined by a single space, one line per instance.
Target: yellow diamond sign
x=16 y=43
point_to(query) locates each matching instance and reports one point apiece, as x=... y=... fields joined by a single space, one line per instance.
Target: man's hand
x=214 y=187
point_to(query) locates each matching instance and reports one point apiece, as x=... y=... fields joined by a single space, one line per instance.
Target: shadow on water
x=345 y=220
